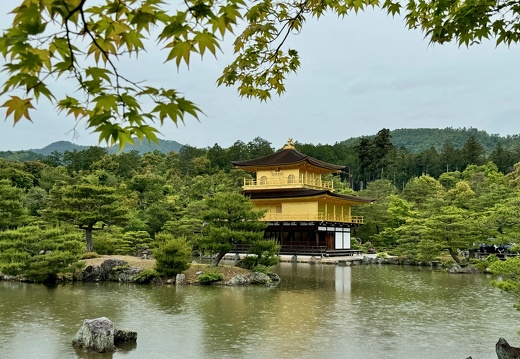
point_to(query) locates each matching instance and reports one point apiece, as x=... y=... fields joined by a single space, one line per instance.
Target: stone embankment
x=366 y=259
x=118 y=270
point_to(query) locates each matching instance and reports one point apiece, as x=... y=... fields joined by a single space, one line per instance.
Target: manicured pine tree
x=231 y=220
x=89 y=206
x=12 y=211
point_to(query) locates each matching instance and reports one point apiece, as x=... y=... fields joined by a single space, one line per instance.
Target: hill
x=164 y=146
x=417 y=140
x=60 y=146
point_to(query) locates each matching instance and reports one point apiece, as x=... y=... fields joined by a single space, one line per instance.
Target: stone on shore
x=253 y=278
x=99 y=335
x=112 y=269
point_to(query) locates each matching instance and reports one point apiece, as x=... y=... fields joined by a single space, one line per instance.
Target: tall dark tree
x=502 y=158
x=448 y=157
x=259 y=147
x=429 y=162
x=473 y=152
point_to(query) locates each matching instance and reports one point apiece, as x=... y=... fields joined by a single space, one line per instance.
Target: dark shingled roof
x=287 y=156
x=299 y=193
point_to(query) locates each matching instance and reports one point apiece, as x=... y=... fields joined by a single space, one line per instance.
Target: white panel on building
x=346 y=239
x=339 y=240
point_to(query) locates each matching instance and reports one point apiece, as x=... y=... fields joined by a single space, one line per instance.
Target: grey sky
x=358 y=75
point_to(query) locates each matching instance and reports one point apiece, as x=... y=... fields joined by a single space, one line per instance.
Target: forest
x=429 y=205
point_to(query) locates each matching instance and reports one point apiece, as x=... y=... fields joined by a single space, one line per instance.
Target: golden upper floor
x=287 y=168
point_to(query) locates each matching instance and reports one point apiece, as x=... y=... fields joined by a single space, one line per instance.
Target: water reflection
x=317 y=311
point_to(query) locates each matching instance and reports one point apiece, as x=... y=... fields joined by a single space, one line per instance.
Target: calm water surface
x=316 y=312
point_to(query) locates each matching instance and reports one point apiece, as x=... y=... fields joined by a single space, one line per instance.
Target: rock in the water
x=124 y=336
x=100 y=335
x=506 y=351
x=95 y=335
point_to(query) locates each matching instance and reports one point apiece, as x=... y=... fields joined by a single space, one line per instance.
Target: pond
x=317 y=311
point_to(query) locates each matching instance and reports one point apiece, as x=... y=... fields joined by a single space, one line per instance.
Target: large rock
x=239 y=279
x=253 y=278
x=259 y=278
x=506 y=351
x=128 y=275
x=110 y=270
x=274 y=277
x=455 y=268
x=96 y=335
x=108 y=267
x=100 y=335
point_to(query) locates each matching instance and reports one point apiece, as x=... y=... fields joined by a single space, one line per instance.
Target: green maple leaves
x=54 y=41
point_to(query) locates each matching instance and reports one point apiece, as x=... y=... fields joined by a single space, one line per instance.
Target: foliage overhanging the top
x=82 y=42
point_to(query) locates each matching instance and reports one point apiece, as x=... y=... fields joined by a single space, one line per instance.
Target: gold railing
x=287 y=183
x=312 y=217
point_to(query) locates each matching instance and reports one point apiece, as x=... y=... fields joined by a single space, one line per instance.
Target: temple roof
x=300 y=193
x=286 y=157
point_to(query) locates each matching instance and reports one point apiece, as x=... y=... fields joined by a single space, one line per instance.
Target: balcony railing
x=287 y=183
x=312 y=217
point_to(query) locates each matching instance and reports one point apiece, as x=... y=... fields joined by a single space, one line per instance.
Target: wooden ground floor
x=312 y=238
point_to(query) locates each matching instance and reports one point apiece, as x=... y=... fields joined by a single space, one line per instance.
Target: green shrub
x=382 y=255
x=173 y=255
x=263 y=252
x=262 y=269
x=210 y=275
x=248 y=262
x=89 y=255
x=146 y=276
x=483 y=265
x=108 y=241
x=40 y=253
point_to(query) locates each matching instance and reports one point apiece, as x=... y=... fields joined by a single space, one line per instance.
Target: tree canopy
x=52 y=42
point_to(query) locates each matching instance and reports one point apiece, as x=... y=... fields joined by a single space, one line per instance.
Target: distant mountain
x=164 y=146
x=417 y=140
x=60 y=146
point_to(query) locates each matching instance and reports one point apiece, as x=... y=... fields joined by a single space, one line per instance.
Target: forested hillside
x=417 y=140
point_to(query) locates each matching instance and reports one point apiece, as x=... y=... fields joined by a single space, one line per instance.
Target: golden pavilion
x=303 y=213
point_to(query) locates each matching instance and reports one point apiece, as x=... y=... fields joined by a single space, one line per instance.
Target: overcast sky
x=358 y=75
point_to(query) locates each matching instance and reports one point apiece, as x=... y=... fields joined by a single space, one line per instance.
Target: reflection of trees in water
x=302 y=276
